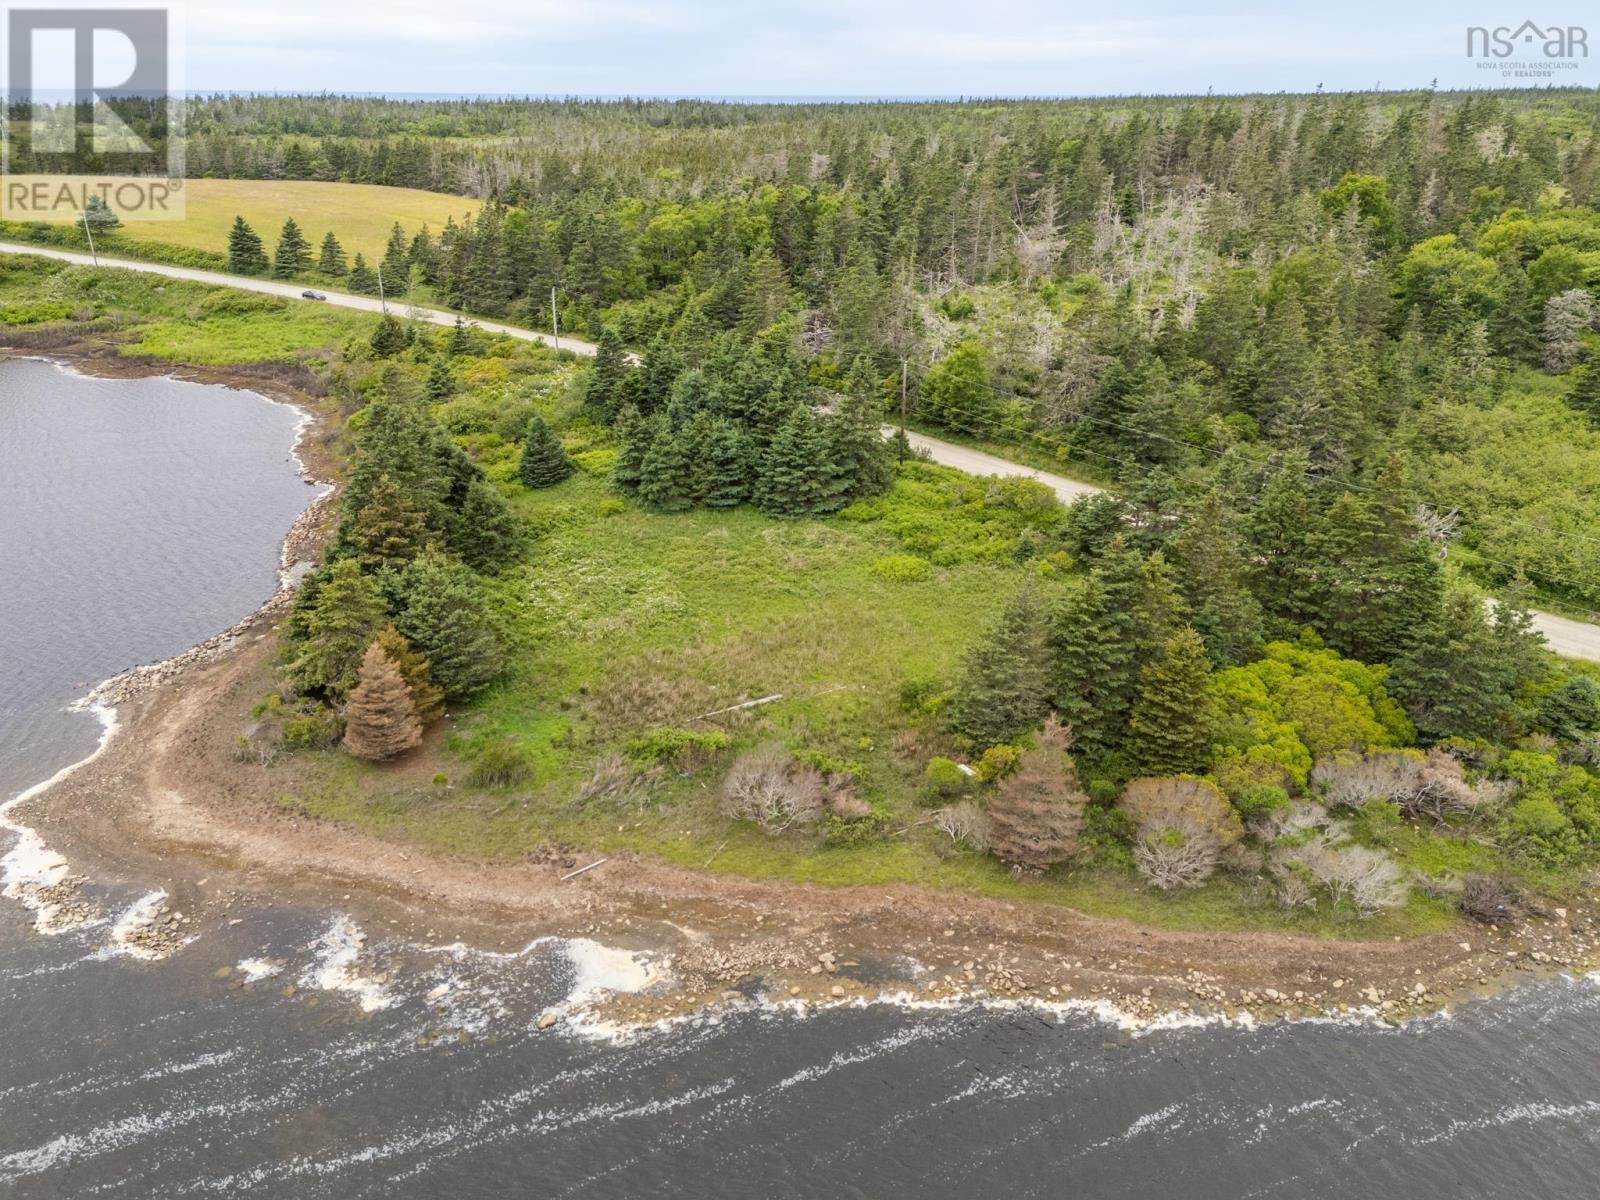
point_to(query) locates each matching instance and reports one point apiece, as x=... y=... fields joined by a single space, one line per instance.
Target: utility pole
x=900 y=449
x=88 y=233
x=381 y=298
x=555 y=324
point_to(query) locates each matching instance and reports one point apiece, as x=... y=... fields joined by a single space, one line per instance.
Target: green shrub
x=998 y=762
x=610 y=506
x=34 y=314
x=945 y=778
x=1259 y=799
x=681 y=749
x=500 y=763
x=1107 y=837
x=842 y=831
x=1537 y=828
x=317 y=729
x=902 y=568
x=925 y=697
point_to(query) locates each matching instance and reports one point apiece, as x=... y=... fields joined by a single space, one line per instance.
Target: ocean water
x=290 y=1056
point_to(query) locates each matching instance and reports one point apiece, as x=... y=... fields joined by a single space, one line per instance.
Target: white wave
x=142 y=914
x=31 y=866
x=255 y=970
x=338 y=951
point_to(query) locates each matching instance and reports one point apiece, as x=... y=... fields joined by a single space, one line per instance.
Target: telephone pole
x=88 y=233
x=555 y=324
x=382 y=299
x=900 y=449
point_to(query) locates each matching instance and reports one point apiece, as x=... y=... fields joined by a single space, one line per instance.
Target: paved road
x=1576 y=639
x=272 y=287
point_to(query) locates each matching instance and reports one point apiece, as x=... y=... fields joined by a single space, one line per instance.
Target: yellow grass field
x=359 y=214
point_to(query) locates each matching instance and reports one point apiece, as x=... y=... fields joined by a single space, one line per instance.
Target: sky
x=853 y=47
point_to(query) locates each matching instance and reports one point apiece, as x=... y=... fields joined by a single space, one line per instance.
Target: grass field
x=360 y=215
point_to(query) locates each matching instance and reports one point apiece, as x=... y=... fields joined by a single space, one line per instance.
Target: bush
x=1487 y=898
x=965 y=824
x=500 y=763
x=318 y=729
x=610 y=506
x=1181 y=826
x=945 y=778
x=1260 y=799
x=842 y=830
x=902 y=568
x=998 y=762
x=681 y=749
x=618 y=783
x=768 y=787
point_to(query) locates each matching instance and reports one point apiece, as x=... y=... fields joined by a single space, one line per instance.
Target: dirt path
x=293 y=291
x=1574 y=639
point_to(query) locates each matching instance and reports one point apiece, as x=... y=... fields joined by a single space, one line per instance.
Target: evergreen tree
x=666 y=474
x=441 y=383
x=346 y=615
x=396 y=263
x=1585 y=393
x=727 y=467
x=330 y=259
x=662 y=367
x=797 y=477
x=381 y=718
x=637 y=434
x=482 y=529
x=1036 y=813
x=1169 y=731
x=1100 y=639
x=856 y=445
x=460 y=340
x=413 y=668
x=1214 y=578
x=362 y=281
x=1452 y=678
x=544 y=458
x=1004 y=689
x=443 y=612
x=1282 y=536
x=99 y=215
x=388 y=529
x=293 y=255
x=389 y=338
x=603 y=393
x=1571 y=712
x=245 y=255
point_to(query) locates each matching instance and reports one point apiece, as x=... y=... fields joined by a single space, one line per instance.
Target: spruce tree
x=1451 y=678
x=666 y=473
x=661 y=369
x=726 y=466
x=413 y=668
x=331 y=260
x=481 y=528
x=441 y=383
x=388 y=529
x=396 y=263
x=544 y=459
x=1004 y=688
x=245 y=255
x=293 y=255
x=1169 y=731
x=444 y=613
x=1036 y=813
x=603 y=392
x=1214 y=577
x=389 y=338
x=381 y=718
x=362 y=281
x=1585 y=393
x=346 y=615
x=460 y=340
x=1282 y=536
x=856 y=445
x=797 y=478
x=637 y=434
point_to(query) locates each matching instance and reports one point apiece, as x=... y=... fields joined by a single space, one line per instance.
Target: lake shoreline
x=164 y=797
